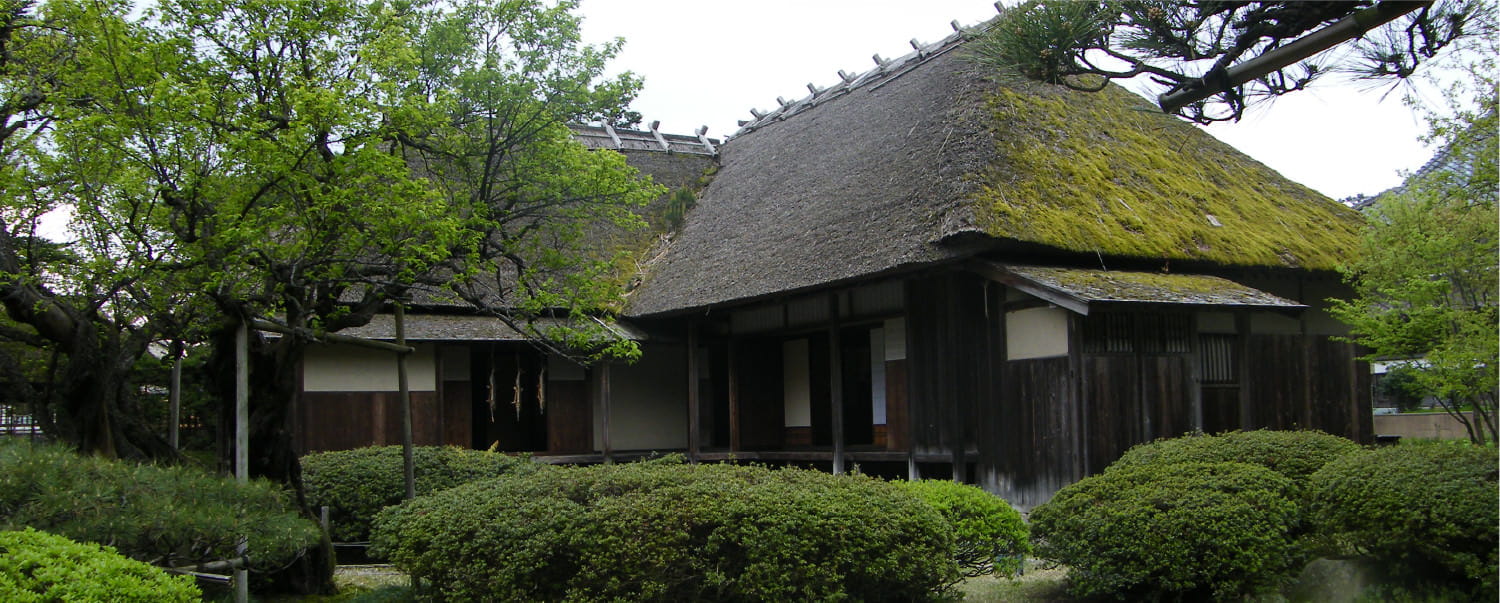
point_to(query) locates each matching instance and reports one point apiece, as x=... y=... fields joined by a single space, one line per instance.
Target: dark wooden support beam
x=695 y=424
x=1195 y=372
x=1242 y=368
x=734 y=399
x=604 y=403
x=836 y=383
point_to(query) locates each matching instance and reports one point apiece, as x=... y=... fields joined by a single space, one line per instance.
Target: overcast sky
x=708 y=62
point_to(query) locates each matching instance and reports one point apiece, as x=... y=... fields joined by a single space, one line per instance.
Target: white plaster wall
x=796 y=388
x=1036 y=333
x=345 y=368
x=895 y=339
x=648 y=402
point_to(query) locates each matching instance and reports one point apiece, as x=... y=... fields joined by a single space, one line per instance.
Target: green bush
x=1294 y=454
x=1425 y=512
x=1178 y=530
x=988 y=535
x=37 y=566
x=166 y=515
x=357 y=484
x=670 y=531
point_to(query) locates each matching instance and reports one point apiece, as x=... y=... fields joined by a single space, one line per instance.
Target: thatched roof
x=447 y=327
x=929 y=158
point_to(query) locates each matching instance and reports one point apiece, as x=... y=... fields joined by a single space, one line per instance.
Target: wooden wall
x=346 y=420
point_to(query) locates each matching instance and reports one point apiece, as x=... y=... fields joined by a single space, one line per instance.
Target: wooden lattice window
x=1139 y=332
x=1217 y=358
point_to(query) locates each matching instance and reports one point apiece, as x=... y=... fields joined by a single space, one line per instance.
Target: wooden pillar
x=174 y=402
x=695 y=423
x=403 y=386
x=734 y=399
x=242 y=444
x=957 y=332
x=913 y=472
x=604 y=403
x=836 y=383
x=1195 y=372
x=1242 y=369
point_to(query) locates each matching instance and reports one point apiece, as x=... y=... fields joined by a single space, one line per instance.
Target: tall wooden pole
x=174 y=398
x=408 y=464
x=242 y=444
x=604 y=403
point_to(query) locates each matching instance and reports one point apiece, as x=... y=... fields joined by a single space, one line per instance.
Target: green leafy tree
x=309 y=161
x=1426 y=275
x=1200 y=50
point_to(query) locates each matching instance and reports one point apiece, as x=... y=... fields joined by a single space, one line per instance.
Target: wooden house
x=933 y=269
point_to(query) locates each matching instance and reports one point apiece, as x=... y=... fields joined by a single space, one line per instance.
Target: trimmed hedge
x=37 y=566
x=1424 y=512
x=167 y=515
x=989 y=537
x=357 y=484
x=664 y=531
x=1294 y=454
x=1177 y=530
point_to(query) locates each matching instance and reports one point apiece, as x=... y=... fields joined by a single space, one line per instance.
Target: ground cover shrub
x=989 y=536
x=671 y=531
x=163 y=515
x=1176 y=530
x=1423 y=512
x=1294 y=454
x=42 y=567
x=357 y=484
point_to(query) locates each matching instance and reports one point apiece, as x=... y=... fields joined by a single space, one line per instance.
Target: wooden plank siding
x=1317 y=385
x=346 y=420
x=1034 y=446
x=948 y=357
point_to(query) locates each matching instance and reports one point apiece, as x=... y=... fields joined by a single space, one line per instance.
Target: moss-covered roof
x=931 y=159
x=1089 y=286
x=1106 y=172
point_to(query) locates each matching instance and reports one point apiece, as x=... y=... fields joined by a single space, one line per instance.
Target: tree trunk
x=273 y=385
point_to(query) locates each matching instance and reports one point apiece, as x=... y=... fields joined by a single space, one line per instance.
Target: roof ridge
x=885 y=70
x=605 y=136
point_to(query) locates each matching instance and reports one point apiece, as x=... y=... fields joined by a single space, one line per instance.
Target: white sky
x=708 y=62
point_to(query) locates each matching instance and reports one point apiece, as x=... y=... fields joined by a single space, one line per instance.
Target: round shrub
x=1294 y=454
x=1185 y=530
x=1425 y=512
x=665 y=531
x=357 y=484
x=988 y=535
x=37 y=566
x=166 y=515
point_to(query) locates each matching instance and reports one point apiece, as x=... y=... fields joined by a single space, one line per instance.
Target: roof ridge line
x=885 y=70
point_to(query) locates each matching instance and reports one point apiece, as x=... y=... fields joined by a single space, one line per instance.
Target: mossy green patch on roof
x=1107 y=173
x=1089 y=285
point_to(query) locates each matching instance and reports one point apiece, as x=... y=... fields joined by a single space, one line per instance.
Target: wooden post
x=734 y=400
x=242 y=443
x=1242 y=369
x=695 y=425
x=1195 y=372
x=408 y=464
x=913 y=472
x=174 y=398
x=836 y=383
x=604 y=400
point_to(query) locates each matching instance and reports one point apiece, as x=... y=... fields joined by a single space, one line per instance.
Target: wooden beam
x=734 y=399
x=403 y=387
x=836 y=383
x=997 y=272
x=695 y=422
x=242 y=444
x=604 y=404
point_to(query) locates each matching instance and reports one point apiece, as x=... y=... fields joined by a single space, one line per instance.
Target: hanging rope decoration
x=516 y=400
x=491 y=399
x=541 y=390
